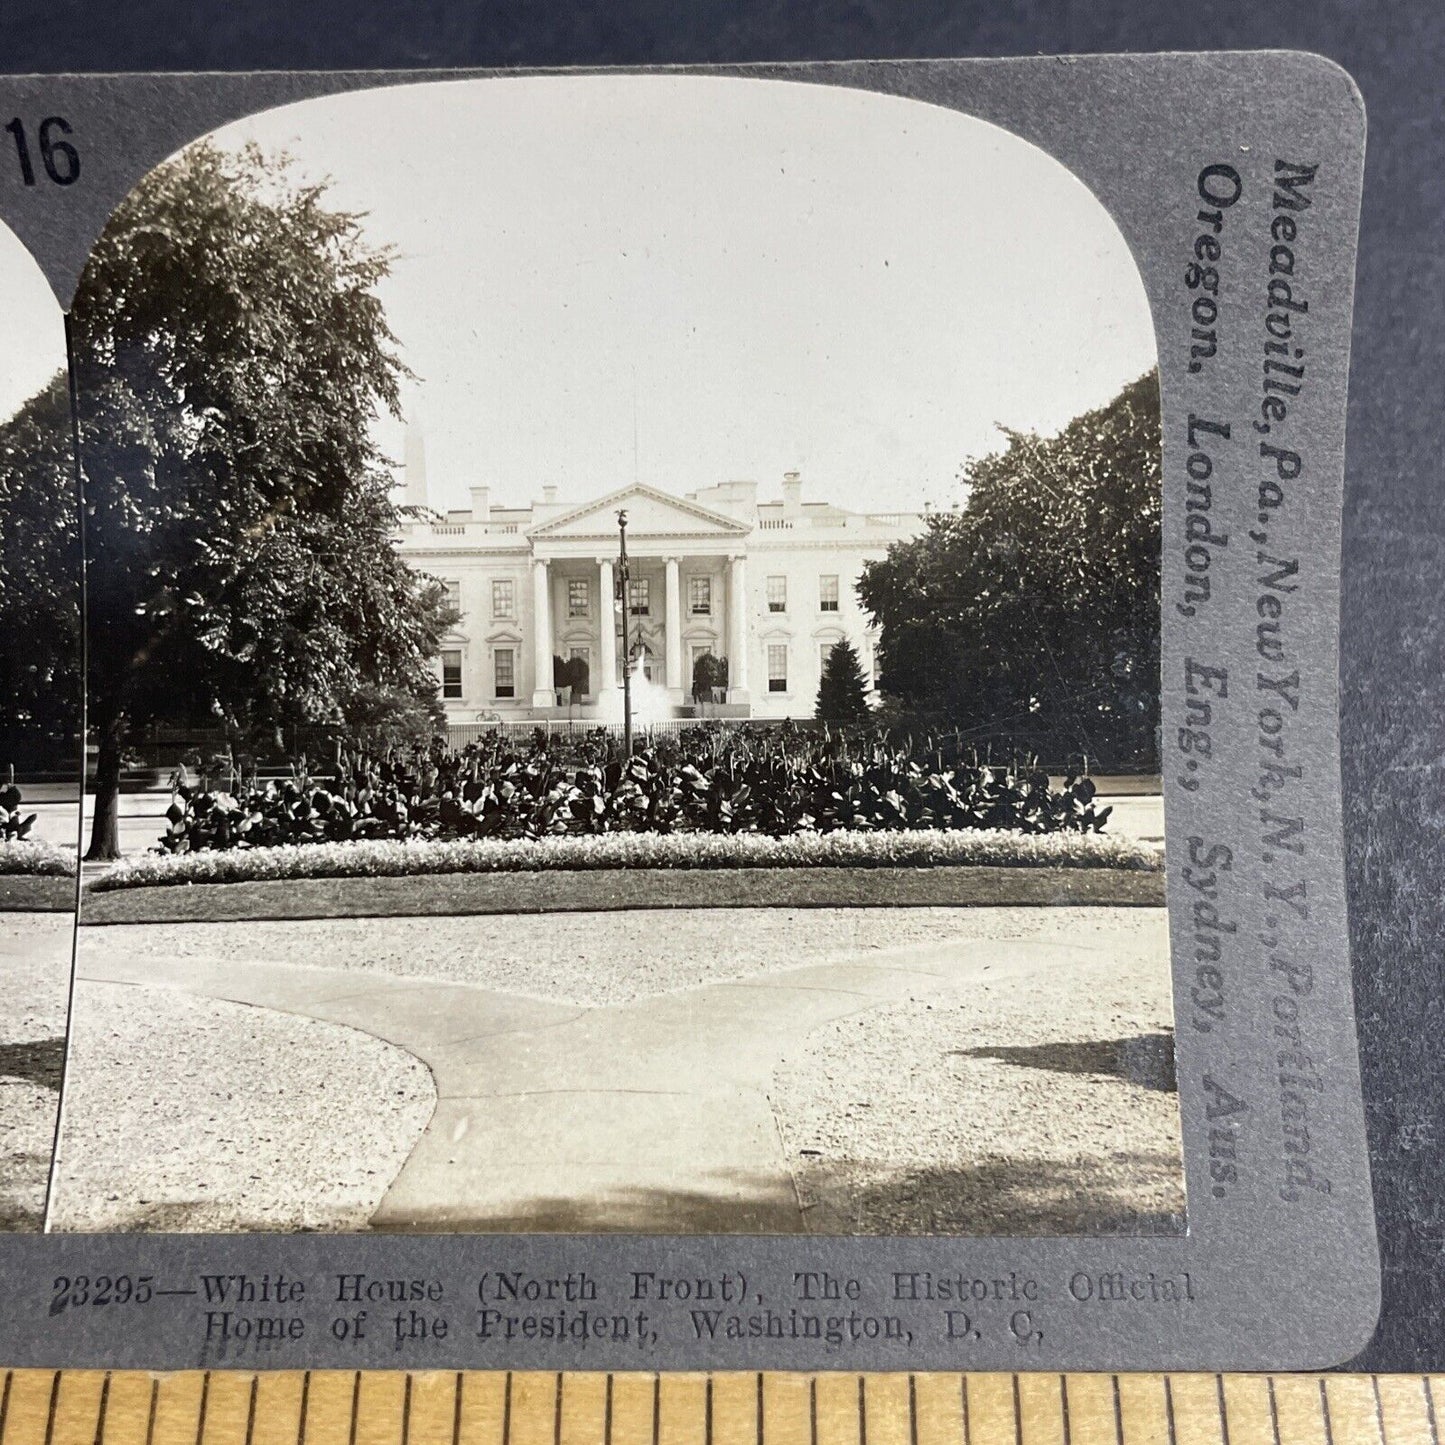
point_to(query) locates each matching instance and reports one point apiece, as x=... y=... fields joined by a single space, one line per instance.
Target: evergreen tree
x=843 y=690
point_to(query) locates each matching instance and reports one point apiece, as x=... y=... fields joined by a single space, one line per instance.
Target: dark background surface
x=1394 y=566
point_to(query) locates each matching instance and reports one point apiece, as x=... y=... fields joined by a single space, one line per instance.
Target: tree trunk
x=105 y=826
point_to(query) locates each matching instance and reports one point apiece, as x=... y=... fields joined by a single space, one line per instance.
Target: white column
x=605 y=686
x=738 y=630
x=543 y=693
x=674 y=633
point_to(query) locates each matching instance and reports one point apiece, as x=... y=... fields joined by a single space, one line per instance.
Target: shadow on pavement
x=40 y=1062
x=1118 y=1194
x=23 y=1172
x=1019 y=1197
x=1145 y=1059
x=1115 y=1196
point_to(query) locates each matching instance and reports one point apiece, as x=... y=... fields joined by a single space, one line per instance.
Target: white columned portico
x=607 y=634
x=674 y=633
x=738 y=629
x=543 y=692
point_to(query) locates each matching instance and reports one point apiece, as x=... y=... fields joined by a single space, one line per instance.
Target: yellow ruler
x=83 y=1407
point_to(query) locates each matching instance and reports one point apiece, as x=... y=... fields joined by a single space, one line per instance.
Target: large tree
x=1029 y=618
x=39 y=583
x=232 y=355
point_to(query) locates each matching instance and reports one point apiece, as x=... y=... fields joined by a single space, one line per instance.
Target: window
x=452 y=672
x=639 y=592
x=504 y=597
x=824 y=649
x=502 y=671
x=699 y=596
x=777 y=667
x=777 y=594
x=454 y=594
x=579 y=598
x=828 y=594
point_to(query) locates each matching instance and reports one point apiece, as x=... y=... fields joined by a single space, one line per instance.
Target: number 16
x=59 y=157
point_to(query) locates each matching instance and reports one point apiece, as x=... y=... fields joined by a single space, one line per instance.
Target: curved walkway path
x=651 y=1114
x=190 y=1114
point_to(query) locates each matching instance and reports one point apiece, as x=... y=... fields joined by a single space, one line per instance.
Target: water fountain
x=650 y=700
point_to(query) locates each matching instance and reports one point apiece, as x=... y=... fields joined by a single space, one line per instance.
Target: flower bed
x=35 y=858
x=920 y=848
x=707 y=779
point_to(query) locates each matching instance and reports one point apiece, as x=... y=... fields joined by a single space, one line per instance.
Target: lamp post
x=623 y=573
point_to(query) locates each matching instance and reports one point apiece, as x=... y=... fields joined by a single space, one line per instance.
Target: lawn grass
x=459 y=894
x=36 y=877
x=36 y=893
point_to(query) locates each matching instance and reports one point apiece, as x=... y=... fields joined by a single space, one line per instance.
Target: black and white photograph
x=40 y=728
x=622 y=675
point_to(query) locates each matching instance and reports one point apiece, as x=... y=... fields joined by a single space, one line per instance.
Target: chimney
x=549 y=496
x=792 y=494
x=744 y=501
x=481 y=503
x=413 y=459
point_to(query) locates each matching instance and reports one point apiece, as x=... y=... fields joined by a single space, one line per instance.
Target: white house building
x=767 y=586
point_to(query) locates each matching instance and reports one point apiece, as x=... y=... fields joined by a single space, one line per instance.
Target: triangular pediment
x=650 y=513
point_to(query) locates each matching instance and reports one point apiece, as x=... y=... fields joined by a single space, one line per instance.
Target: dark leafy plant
x=706 y=779
x=13 y=825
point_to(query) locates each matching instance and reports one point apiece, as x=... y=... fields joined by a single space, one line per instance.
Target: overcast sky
x=688 y=280
x=32 y=329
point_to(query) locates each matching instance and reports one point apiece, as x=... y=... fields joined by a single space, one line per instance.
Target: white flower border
x=921 y=848
x=33 y=857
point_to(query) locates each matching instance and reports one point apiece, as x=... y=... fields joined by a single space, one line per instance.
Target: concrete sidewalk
x=653 y=1115
x=35 y=953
